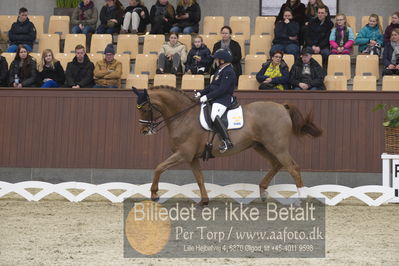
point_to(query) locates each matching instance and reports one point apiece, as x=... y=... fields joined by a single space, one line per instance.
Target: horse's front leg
x=195 y=167
x=173 y=160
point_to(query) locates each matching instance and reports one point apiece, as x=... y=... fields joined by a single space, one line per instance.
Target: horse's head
x=149 y=113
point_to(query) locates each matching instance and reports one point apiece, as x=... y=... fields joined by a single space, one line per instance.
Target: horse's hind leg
x=173 y=160
x=276 y=166
x=195 y=167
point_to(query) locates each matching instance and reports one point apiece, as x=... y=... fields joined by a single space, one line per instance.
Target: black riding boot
x=220 y=128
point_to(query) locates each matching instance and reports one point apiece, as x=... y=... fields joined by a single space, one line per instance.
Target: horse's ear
x=135 y=91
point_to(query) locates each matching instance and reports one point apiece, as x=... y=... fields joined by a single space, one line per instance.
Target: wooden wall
x=99 y=129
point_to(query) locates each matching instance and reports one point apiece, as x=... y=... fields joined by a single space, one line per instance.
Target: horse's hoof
x=155 y=198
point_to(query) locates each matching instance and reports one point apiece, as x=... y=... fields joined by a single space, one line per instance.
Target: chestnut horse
x=267 y=129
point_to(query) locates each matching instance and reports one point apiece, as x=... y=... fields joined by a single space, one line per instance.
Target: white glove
x=197 y=94
x=203 y=99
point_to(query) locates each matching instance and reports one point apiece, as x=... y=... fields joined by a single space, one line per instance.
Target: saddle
x=232 y=119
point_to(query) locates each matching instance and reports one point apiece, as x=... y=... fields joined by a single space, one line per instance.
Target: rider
x=220 y=94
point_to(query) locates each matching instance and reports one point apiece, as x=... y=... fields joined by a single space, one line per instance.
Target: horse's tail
x=301 y=125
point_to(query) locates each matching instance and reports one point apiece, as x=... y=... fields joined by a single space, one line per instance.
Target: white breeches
x=131 y=17
x=217 y=110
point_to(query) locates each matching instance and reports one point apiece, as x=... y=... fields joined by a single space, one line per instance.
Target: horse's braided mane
x=173 y=89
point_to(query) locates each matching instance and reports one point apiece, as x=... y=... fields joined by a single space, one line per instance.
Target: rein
x=153 y=123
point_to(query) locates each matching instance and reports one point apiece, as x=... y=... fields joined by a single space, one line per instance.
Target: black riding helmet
x=224 y=55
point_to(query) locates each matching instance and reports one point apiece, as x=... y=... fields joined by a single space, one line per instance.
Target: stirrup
x=226 y=144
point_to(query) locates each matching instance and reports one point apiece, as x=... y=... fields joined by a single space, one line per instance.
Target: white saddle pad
x=234 y=117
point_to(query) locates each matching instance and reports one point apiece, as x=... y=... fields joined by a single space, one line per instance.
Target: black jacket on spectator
x=194 y=13
x=27 y=75
x=235 y=50
x=143 y=21
x=22 y=33
x=204 y=53
x=298 y=12
x=57 y=74
x=80 y=73
x=316 y=78
x=3 y=72
x=282 y=32
x=318 y=34
x=157 y=14
x=114 y=12
x=387 y=55
x=283 y=80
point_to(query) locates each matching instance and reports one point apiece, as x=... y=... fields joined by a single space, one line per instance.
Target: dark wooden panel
x=98 y=129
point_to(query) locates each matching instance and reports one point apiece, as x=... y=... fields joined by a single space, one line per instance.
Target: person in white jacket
x=172 y=56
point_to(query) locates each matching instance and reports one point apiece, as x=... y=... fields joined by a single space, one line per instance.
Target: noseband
x=152 y=124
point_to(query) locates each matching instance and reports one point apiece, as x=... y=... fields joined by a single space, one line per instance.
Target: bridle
x=152 y=124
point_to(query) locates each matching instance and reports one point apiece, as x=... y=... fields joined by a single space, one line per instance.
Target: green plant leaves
x=392 y=115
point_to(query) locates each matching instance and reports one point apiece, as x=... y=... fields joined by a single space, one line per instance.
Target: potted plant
x=65 y=7
x=391 y=127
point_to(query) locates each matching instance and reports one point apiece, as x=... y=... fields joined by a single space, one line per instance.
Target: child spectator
x=341 y=37
x=50 y=72
x=199 y=58
x=84 y=18
x=188 y=16
x=136 y=17
x=370 y=38
x=172 y=56
x=22 y=70
x=162 y=16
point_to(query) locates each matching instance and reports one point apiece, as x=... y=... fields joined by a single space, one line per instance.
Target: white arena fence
x=190 y=191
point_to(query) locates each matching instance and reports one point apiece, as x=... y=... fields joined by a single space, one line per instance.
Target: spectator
x=111 y=16
x=312 y=10
x=231 y=45
x=390 y=57
x=50 y=72
x=274 y=74
x=286 y=33
x=199 y=58
x=172 y=56
x=79 y=72
x=341 y=37
x=84 y=18
x=394 y=25
x=22 y=32
x=298 y=11
x=136 y=17
x=3 y=71
x=370 y=38
x=108 y=72
x=317 y=34
x=22 y=70
x=162 y=16
x=306 y=73
x=188 y=16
